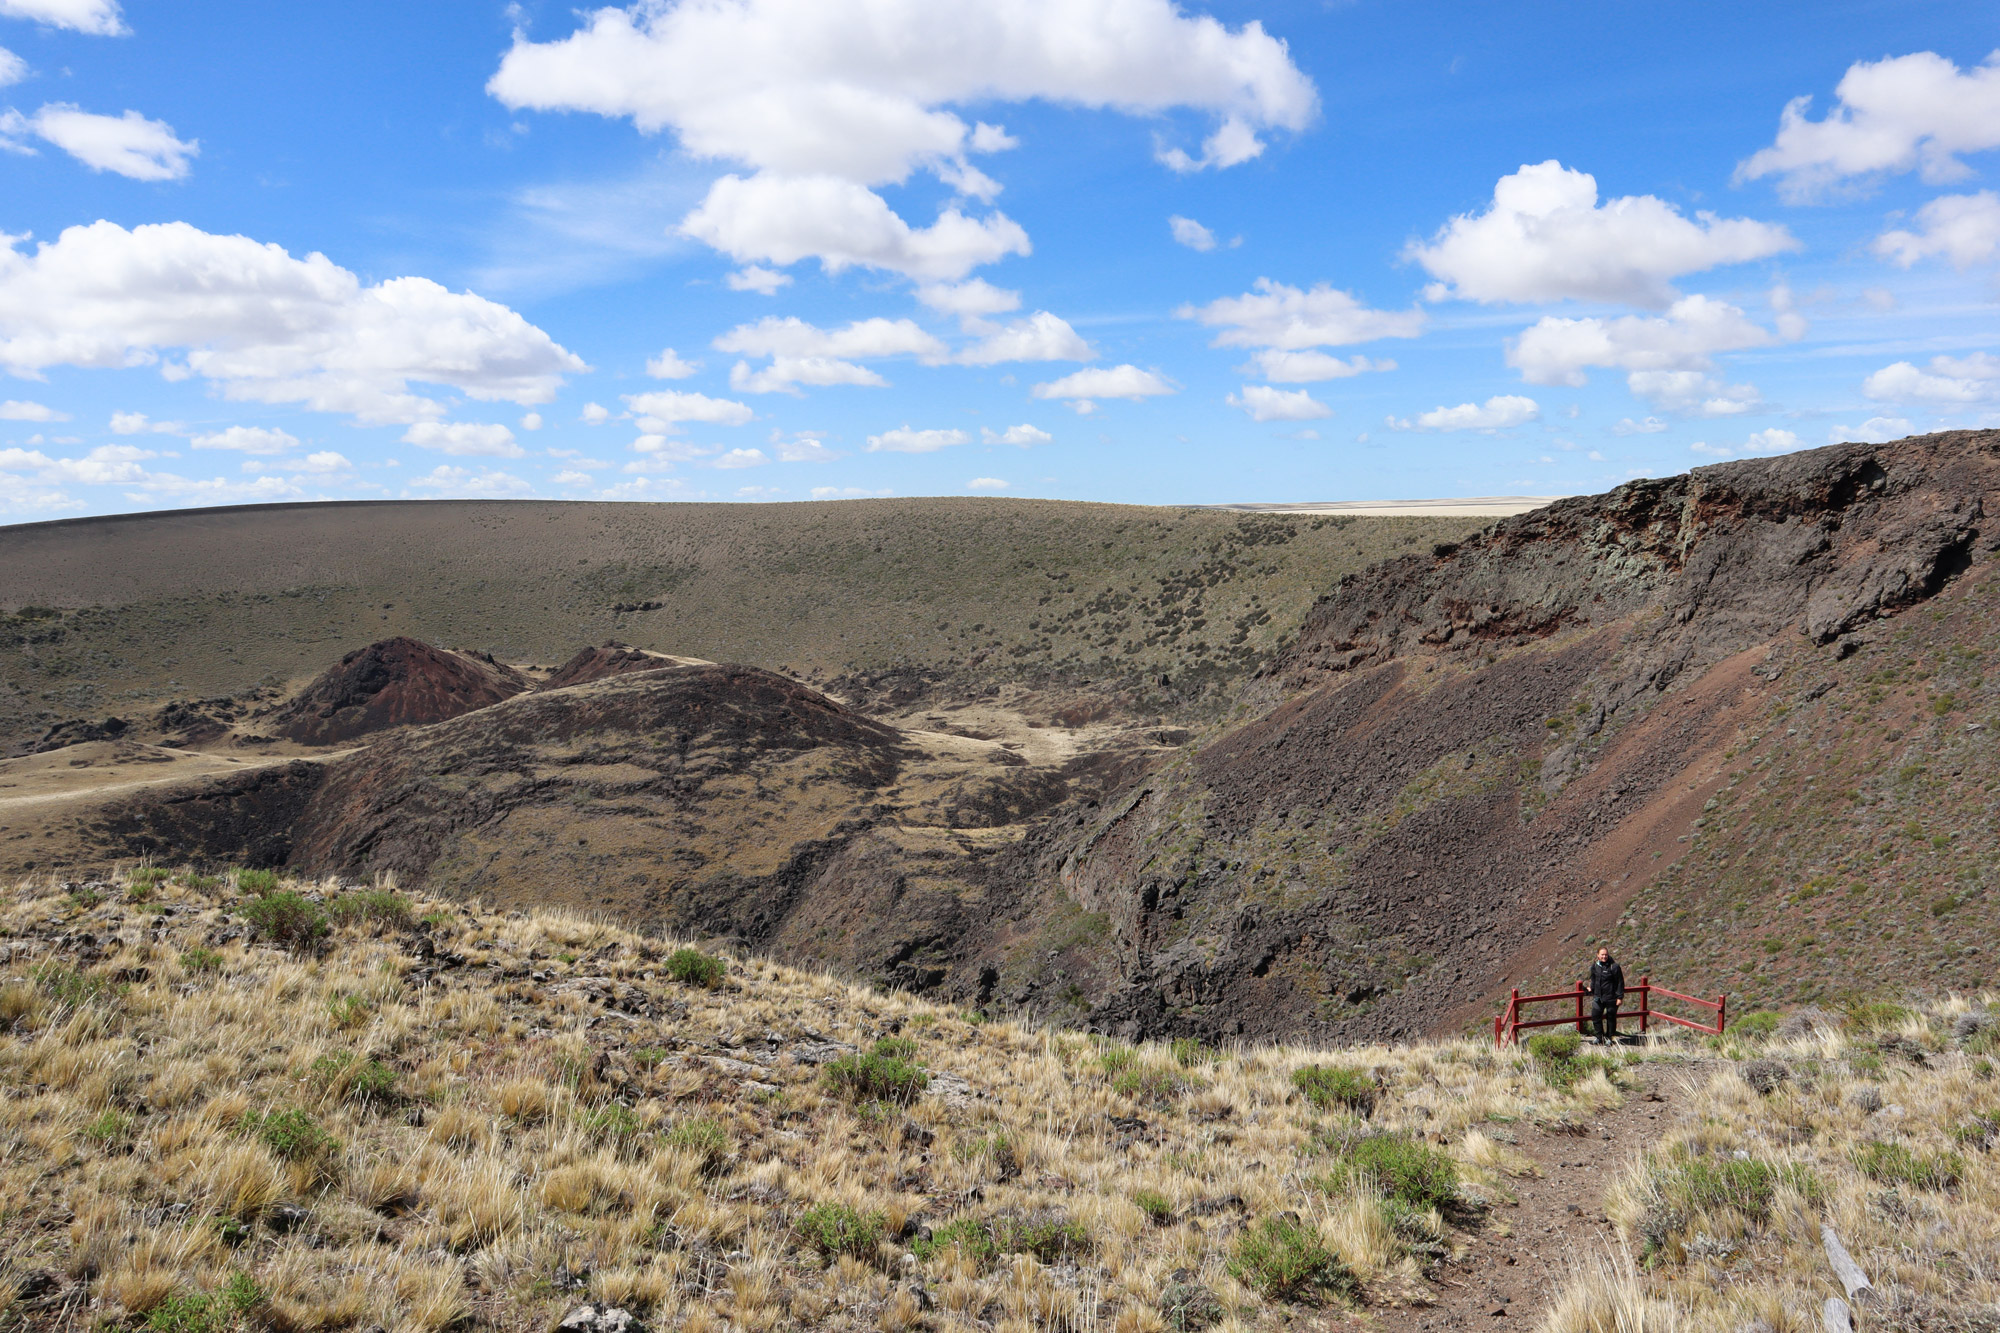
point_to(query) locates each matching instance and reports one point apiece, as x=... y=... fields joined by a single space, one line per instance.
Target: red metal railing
x=1508 y=1023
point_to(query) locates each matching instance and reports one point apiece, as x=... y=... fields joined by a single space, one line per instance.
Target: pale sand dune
x=1477 y=506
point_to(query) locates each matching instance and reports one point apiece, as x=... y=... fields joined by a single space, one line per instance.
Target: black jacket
x=1607 y=981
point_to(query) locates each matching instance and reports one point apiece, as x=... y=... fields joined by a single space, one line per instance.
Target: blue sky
x=1111 y=250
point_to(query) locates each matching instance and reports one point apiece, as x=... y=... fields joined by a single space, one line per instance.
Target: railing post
x=1579 y=1008
x=1721 y=1012
x=1645 y=1004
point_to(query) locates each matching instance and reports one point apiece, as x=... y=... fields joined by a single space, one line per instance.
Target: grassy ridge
x=122 y=615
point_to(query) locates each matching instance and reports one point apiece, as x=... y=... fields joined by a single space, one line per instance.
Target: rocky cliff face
x=1474 y=756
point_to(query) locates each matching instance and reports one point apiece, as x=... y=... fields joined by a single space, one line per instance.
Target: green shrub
x=612 y=1124
x=878 y=1075
x=1746 y=1185
x=835 y=1228
x=1760 y=1023
x=650 y=1058
x=1117 y=1059
x=1049 y=1239
x=1286 y=1260
x=288 y=919
x=292 y=1135
x=358 y=1079
x=897 y=1048
x=199 y=959
x=68 y=986
x=110 y=1129
x=692 y=967
x=85 y=897
x=1328 y=1086
x=259 y=882
x=1155 y=1206
x=1401 y=1167
x=967 y=1235
x=1876 y=1014
x=1550 y=1047
x=1894 y=1164
x=1189 y=1052
x=348 y=1011
x=700 y=1137
x=201 y=883
x=207 y=1312
x=388 y=909
x=1149 y=1083
x=140 y=891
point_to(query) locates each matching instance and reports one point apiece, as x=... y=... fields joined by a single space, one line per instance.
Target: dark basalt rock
x=395 y=683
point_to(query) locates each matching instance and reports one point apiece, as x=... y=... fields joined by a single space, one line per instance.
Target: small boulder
x=600 y=1319
x=1186 y=1305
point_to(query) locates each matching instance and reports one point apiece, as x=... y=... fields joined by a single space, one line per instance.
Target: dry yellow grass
x=373 y=1139
x=1879 y=1127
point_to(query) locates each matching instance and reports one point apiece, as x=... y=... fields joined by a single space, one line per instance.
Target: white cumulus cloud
x=262 y=325
x=756 y=278
x=661 y=413
x=1648 y=426
x=1961 y=228
x=1950 y=379
x=1693 y=393
x=1546 y=238
x=668 y=365
x=1039 y=337
x=464 y=439
x=1085 y=387
x=1661 y=351
x=903 y=440
x=1500 y=412
x=802 y=353
x=783 y=219
x=16 y=409
x=1875 y=430
x=814 y=95
x=326 y=461
x=486 y=483
x=738 y=458
x=131 y=145
x=1288 y=319
x=1282 y=367
x=986 y=484
x=1265 y=403
x=972 y=300
x=250 y=440
x=98 y=18
x=1772 y=441
x=1901 y=113
x=1191 y=233
x=1023 y=435
x=12 y=68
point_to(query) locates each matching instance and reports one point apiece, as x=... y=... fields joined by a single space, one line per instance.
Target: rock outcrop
x=397 y=682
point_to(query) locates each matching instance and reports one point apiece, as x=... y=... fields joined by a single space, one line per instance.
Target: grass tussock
x=262 y=1104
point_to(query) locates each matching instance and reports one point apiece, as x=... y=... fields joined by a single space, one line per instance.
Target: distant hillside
x=1162 y=609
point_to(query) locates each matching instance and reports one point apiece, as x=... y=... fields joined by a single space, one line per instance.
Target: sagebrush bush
x=836 y=1228
x=288 y=919
x=1286 y=1260
x=877 y=1075
x=259 y=882
x=1403 y=1168
x=692 y=967
x=1896 y=1164
x=1328 y=1086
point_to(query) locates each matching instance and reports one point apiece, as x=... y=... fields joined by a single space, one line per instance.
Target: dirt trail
x=1510 y=1267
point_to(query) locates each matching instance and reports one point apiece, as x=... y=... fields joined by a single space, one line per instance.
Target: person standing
x=1607 y=988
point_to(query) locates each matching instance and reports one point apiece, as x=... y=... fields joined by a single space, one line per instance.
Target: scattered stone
x=600 y=1319
x=284 y=1218
x=1186 y=1304
x=35 y=1285
x=952 y=1090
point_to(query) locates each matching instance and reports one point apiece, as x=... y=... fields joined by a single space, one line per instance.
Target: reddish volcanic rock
x=610 y=659
x=395 y=683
